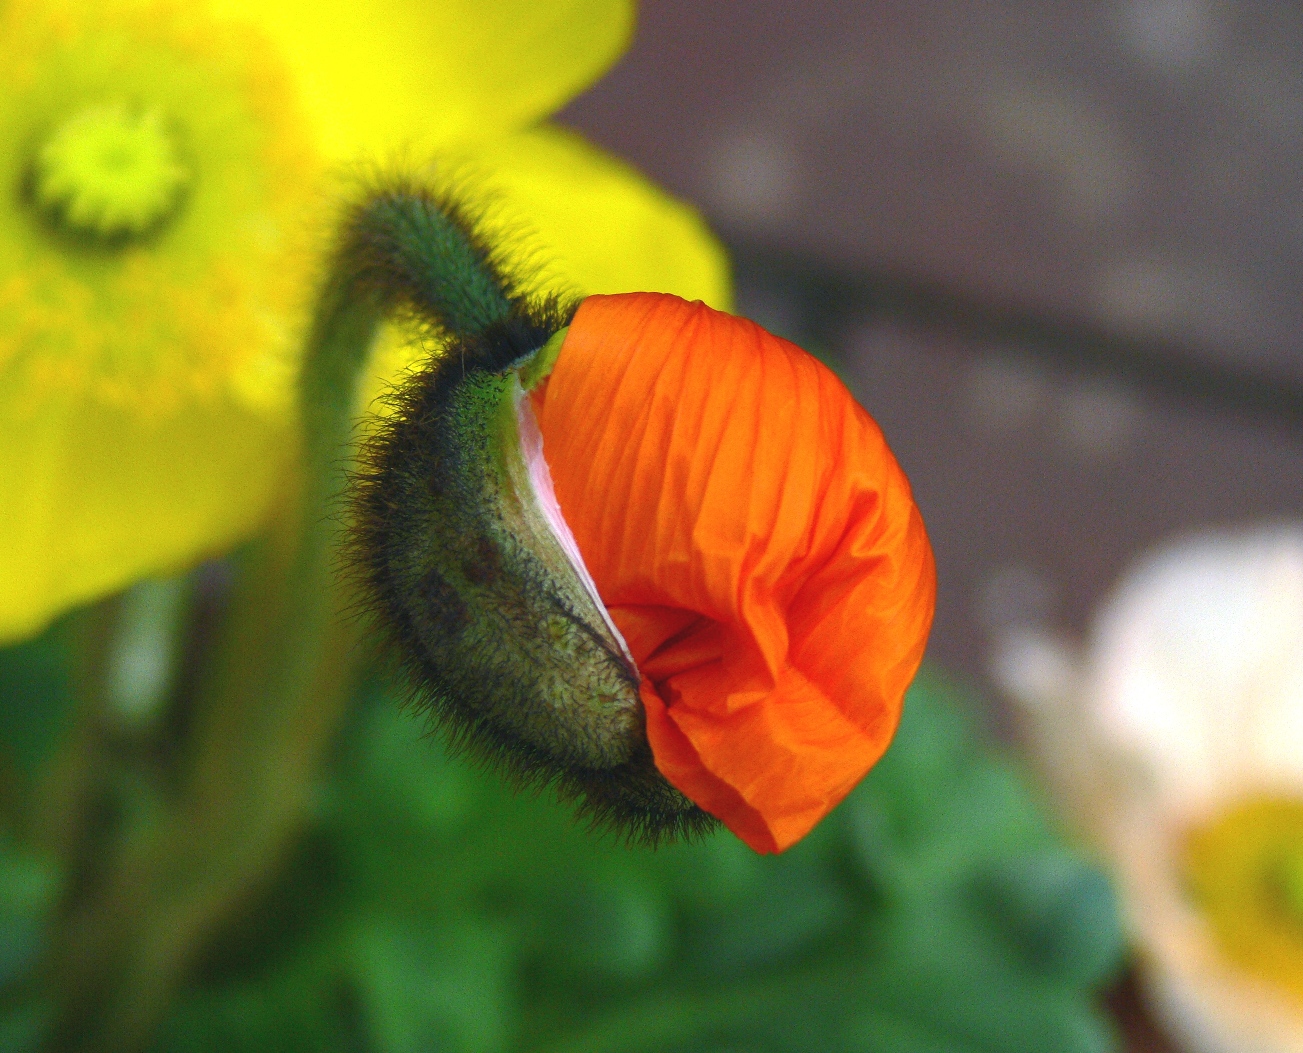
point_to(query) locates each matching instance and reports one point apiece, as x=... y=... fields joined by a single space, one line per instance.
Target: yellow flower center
x=110 y=171
x=1245 y=872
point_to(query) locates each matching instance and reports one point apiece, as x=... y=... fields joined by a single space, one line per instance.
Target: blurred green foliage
x=430 y=909
x=36 y=694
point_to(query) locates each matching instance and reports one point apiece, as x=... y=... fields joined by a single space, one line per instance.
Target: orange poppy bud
x=638 y=551
x=755 y=543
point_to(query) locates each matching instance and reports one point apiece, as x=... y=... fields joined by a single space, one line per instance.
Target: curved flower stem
x=70 y=780
x=279 y=684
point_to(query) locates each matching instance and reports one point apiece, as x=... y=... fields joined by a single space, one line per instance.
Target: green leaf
x=794 y=905
x=616 y=926
x=293 y=1009
x=872 y=1029
x=29 y=888
x=23 y=1027
x=938 y=959
x=1060 y=913
x=935 y=911
x=941 y=800
x=428 y=985
x=987 y=930
x=408 y=780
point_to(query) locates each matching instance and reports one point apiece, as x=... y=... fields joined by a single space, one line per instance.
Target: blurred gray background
x=1055 y=248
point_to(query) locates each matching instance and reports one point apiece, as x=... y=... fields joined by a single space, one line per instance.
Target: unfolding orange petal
x=757 y=546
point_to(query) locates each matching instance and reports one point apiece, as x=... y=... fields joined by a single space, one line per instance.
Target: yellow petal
x=94 y=496
x=389 y=75
x=145 y=384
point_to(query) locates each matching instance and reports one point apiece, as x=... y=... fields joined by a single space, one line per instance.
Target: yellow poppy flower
x=171 y=167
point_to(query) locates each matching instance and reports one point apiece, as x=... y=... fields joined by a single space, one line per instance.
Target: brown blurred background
x=1054 y=248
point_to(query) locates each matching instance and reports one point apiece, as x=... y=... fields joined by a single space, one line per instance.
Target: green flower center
x=1290 y=876
x=110 y=171
x=1245 y=871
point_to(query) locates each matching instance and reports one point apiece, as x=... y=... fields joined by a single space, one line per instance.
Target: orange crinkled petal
x=757 y=545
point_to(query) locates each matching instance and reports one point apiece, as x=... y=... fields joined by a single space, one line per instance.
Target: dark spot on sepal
x=442 y=606
x=486 y=565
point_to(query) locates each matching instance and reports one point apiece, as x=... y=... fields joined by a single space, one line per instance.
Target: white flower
x=1183 y=725
x=1196 y=669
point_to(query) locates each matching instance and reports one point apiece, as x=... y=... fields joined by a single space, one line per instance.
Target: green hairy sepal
x=466 y=564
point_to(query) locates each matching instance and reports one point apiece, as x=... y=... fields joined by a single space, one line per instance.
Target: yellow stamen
x=110 y=171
